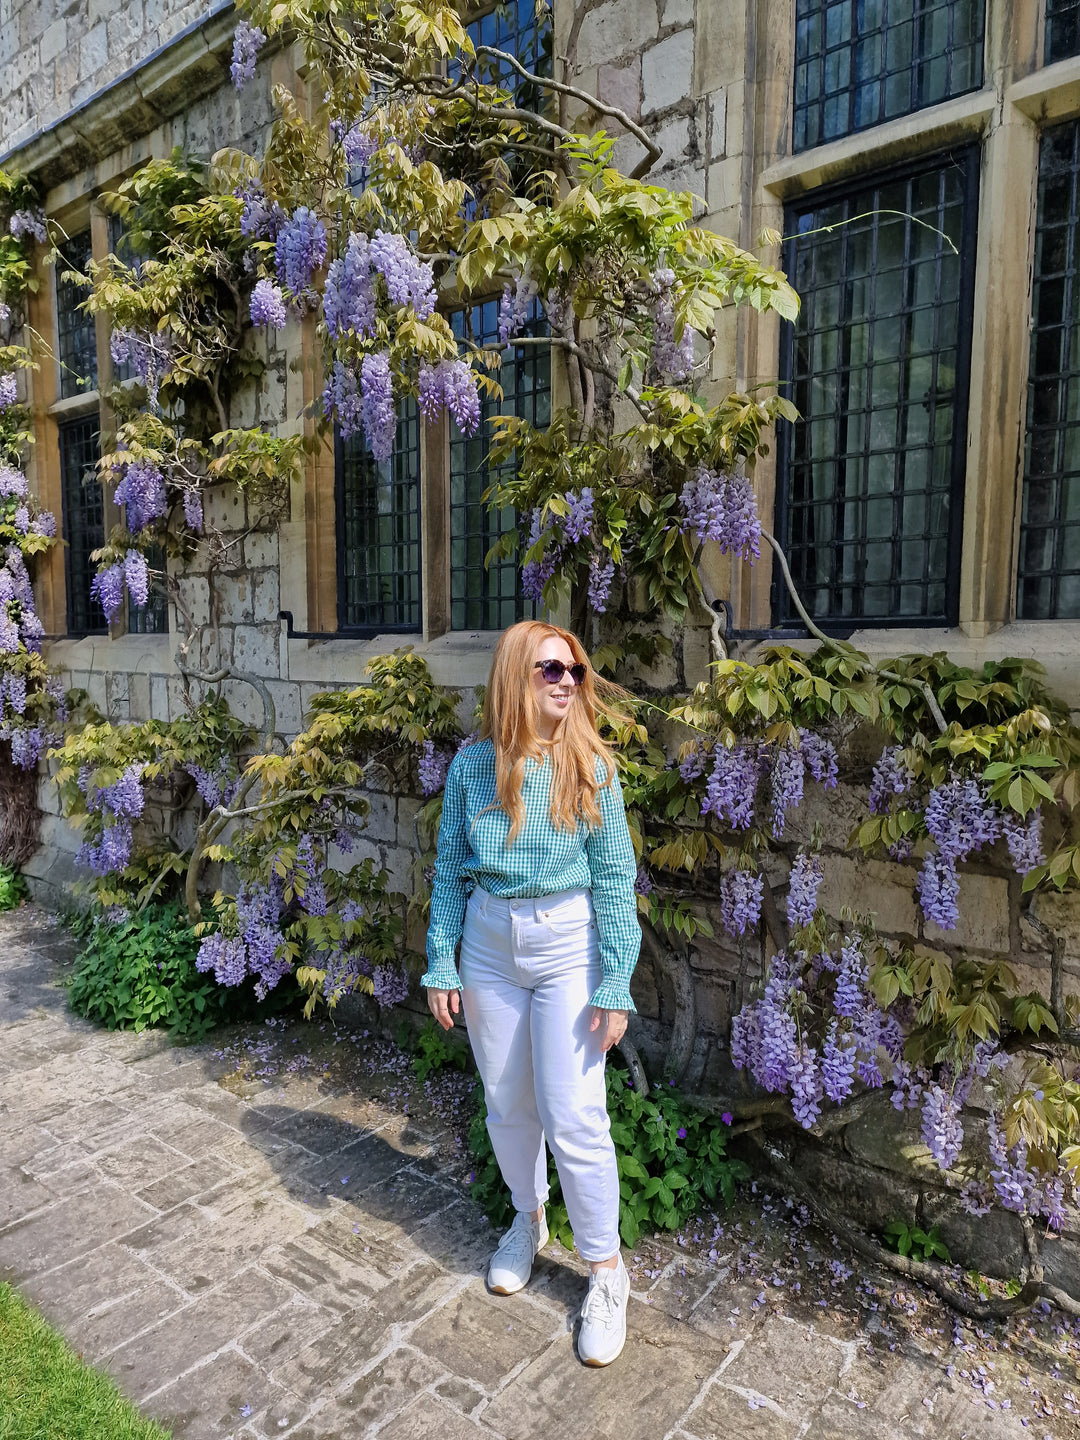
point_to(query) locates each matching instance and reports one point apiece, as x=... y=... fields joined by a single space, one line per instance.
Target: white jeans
x=528 y=968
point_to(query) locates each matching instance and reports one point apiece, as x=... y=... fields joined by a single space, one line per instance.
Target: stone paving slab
x=293 y=1256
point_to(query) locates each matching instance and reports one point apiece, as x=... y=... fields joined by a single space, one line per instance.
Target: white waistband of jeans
x=539 y=906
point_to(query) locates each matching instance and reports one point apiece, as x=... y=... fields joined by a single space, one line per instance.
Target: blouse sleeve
x=448 y=891
x=613 y=870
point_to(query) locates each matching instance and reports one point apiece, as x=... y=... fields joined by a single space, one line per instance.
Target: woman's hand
x=441 y=1003
x=610 y=1023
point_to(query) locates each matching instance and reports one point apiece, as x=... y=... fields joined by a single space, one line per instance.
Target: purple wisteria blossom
x=137 y=576
x=450 y=385
x=359 y=145
x=378 y=414
x=960 y=819
x=13 y=483
x=721 y=508
x=806 y=1087
x=141 y=490
x=579 y=519
x=671 y=357
x=536 y=573
x=643 y=884
x=409 y=281
x=891 y=777
x=803 y=885
x=939 y=891
x=838 y=1065
x=259 y=220
x=391 y=985
x=1024 y=838
x=193 y=509
x=148 y=353
x=107 y=588
x=9 y=390
x=601 y=575
x=942 y=1132
x=740 y=900
x=787 y=776
x=341 y=400
x=300 y=249
x=28 y=222
x=516 y=306
x=268 y=305
x=432 y=768
x=247 y=42
x=732 y=786
x=821 y=758
x=110 y=853
x=349 y=295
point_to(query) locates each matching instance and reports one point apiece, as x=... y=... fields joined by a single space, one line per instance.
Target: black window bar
x=378 y=526
x=1048 y=580
x=861 y=62
x=870 y=479
x=83 y=521
x=76 y=340
x=489 y=597
x=1062 y=37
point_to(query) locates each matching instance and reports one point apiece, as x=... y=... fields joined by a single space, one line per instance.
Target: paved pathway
x=285 y=1255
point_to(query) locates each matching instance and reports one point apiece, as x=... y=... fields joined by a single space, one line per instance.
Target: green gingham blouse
x=542 y=861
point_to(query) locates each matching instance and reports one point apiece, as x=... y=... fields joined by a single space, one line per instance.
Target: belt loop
x=538 y=914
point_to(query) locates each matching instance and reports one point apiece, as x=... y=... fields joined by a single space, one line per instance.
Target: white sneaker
x=512 y=1263
x=603 y=1316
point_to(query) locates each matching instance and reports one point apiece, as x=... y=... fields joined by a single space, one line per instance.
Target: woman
x=535 y=875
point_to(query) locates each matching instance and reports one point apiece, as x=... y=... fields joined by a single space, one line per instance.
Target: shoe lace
x=600 y=1305
x=518 y=1240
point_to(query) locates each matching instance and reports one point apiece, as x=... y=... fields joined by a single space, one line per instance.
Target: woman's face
x=553 y=701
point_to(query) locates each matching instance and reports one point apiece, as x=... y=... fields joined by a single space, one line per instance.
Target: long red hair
x=510 y=720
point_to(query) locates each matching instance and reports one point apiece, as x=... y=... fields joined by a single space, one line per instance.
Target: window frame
x=782 y=614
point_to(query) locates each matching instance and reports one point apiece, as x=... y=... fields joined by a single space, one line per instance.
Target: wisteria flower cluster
x=721 y=508
x=731 y=790
x=564 y=537
x=22 y=223
x=450 y=385
x=516 y=307
x=259 y=219
x=299 y=250
x=671 y=357
x=148 y=354
x=771 y=1038
x=9 y=390
x=110 y=582
x=268 y=305
x=141 y=490
x=116 y=805
x=247 y=42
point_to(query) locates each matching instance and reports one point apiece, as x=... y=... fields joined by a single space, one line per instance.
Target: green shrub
x=911 y=1240
x=12 y=888
x=139 y=972
x=672 y=1163
x=433 y=1051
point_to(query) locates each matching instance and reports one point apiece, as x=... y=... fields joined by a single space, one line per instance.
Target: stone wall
x=55 y=55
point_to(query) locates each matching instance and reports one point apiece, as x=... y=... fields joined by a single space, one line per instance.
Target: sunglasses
x=554 y=670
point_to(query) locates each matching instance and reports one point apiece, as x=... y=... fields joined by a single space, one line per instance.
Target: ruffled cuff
x=441 y=975
x=613 y=994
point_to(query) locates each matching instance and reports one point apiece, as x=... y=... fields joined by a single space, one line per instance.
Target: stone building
x=929 y=499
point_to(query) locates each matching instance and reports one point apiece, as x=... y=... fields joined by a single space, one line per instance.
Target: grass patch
x=47 y=1393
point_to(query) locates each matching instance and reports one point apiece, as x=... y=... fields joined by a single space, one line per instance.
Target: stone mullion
x=999 y=365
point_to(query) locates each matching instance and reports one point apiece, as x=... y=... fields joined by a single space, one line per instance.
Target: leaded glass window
x=488 y=597
x=1062 y=30
x=870 y=478
x=514 y=28
x=76 y=341
x=84 y=521
x=861 y=62
x=379 y=531
x=1049 y=563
